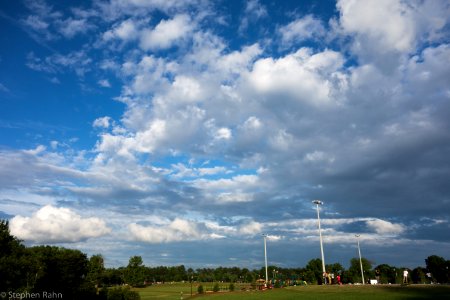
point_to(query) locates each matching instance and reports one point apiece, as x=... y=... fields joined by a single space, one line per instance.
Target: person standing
x=405 y=276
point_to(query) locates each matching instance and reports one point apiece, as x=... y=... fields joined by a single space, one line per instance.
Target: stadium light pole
x=317 y=203
x=265 y=256
x=360 y=261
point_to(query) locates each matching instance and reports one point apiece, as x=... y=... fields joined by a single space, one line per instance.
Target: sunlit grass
x=178 y=290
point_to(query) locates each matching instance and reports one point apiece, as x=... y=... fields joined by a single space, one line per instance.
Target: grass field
x=347 y=292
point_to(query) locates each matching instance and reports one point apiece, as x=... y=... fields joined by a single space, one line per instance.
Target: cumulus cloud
x=250 y=228
x=385 y=227
x=254 y=11
x=166 y=33
x=385 y=30
x=302 y=75
x=176 y=231
x=127 y=30
x=71 y=27
x=302 y=29
x=386 y=23
x=103 y=122
x=57 y=225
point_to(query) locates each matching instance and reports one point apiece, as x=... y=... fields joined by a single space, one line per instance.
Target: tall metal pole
x=360 y=261
x=265 y=257
x=318 y=202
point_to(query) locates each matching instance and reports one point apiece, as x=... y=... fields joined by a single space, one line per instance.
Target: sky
x=181 y=131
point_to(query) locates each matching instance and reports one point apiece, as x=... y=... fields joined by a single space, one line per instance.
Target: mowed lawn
x=173 y=291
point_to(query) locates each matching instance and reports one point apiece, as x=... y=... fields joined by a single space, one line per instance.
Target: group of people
x=329 y=278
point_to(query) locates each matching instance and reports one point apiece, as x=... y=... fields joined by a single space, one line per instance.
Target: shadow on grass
x=414 y=292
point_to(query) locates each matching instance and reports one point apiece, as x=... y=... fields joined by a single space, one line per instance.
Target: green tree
x=315 y=267
x=386 y=273
x=418 y=275
x=439 y=268
x=96 y=270
x=354 y=272
x=113 y=276
x=135 y=273
x=335 y=269
x=14 y=263
x=60 y=270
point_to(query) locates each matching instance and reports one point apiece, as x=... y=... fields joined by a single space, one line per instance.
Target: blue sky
x=181 y=131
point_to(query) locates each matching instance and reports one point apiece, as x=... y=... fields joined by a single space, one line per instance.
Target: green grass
x=347 y=292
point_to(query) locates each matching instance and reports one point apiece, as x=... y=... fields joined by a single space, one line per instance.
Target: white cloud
x=236 y=183
x=57 y=225
x=104 y=83
x=301 y=29
x=166 y=33
x=254 y=11
x=103 y=122
x=177 y=230
x=384 y=31
x=385 y=227
x=250 y=228
x=186 y=89
x=127 y=30
x=301 y=75
x=54 y=144
x=386 y=23
x=317 y=156
x=237 y=62
x=77 y=61
x=71 y=27
x=226 y=198
x=223 y=134
x=36 y=23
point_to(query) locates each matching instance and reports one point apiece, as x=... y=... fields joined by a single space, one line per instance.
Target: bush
x=231 y=287
x=200 y=289
x=122 y=294
x=216 y=287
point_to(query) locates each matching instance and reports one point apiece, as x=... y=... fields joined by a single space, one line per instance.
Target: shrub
x=200 y=289
x=122 y=294
x=216 y=287
x=231 y=287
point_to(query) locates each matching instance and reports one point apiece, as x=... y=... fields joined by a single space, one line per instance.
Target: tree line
x=72 y=274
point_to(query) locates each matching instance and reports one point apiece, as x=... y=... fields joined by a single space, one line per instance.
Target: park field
x=347 y=292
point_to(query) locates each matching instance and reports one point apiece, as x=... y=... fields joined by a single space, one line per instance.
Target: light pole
x=317 y=203
x=265 y=256
x=360 y=261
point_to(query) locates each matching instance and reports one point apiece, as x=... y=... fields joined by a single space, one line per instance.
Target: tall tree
x=13 y=261
x=60 y=270
x=354 y=272
x=386 y=273
x=135 y=273
x=439 y=268
x=96 y=270
x=315 y=266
